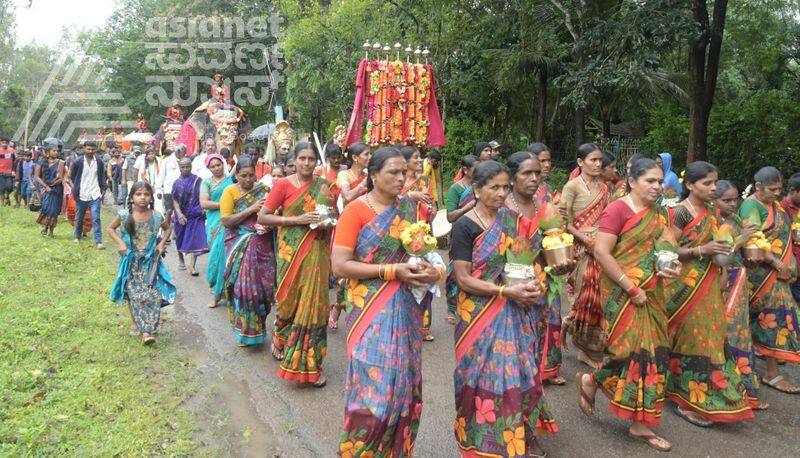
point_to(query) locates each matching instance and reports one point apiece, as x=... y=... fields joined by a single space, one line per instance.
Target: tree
x=705 y=49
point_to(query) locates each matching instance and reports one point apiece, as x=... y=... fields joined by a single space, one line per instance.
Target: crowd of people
x=290 y=234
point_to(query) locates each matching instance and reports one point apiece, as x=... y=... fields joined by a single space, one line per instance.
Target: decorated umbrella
x=262 y=132
x=143 y=137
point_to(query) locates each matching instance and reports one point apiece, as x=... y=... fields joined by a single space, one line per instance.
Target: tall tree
x=705 y=49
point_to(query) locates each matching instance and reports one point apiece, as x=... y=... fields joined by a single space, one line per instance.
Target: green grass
x=71 y=379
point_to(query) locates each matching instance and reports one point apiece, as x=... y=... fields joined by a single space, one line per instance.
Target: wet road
x=296 y=421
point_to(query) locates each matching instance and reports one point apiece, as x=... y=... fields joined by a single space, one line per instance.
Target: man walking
x=7 y=162
x=129 y=173
x=88 y=178
x=169 y=172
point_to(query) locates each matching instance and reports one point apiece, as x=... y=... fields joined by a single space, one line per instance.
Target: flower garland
x=397 y=103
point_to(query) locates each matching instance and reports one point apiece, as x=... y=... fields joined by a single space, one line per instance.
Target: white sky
x=44 y=20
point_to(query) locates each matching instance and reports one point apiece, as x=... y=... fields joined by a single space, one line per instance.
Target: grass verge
x=71 y=379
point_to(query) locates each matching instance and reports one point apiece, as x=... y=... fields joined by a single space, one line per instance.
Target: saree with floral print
x=383 y=398
x=249 y=276
x=773 y=311
x=739 y=342
x=422 y=184
x=301 y=296
x=585 y=319
x=702 y=377
x=498 y=387
x=634 y=369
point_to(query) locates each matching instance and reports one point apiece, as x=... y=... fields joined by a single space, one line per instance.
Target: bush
x=462 y=133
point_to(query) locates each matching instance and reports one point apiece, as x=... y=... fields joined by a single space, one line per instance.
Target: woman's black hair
x=640 y=167
x=479 y=146
x=724 y=186
x=304 y=146
x=537 y=148
x=793 y=184
x=767 y=176
x=515 y=160
x=485 y=171
x=244 y=163
x=357 y=148
x=130 y=224
x=608 y=159
x=635 y=157
x=377 y=161
x=469 y=161
x=585 y=150
x=695 y=172
x=408 y=151
x=332 y=149
x=225 y=151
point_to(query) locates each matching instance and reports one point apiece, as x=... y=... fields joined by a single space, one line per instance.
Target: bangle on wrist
x=633 y=291
x=619 y=280
x=500 y=293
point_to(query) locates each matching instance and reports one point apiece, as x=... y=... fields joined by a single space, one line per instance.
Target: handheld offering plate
x=557 y=244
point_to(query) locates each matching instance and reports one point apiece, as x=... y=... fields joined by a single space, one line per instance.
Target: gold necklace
x=482 y=222
x=630 y=201
x=516 y=204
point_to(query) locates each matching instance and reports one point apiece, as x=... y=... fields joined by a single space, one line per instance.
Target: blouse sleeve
x=748 y=206
x=614 y=217
x=355 y=216
x=205 y=187
x=277 y=195
x=462 y=239
x=568 y=197
x=451 y=199
x=226 y=202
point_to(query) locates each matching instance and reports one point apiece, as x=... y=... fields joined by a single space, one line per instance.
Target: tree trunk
x=605 y=114
x=580 y=128
x=704 y=56
x=541 y=113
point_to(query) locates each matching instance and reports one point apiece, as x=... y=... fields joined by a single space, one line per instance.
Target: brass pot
x=558 y=255
x=752 y=253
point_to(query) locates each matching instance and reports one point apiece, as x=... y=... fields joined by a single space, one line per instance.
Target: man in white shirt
x=88 y=178
x=169 y=172
x=199 y=162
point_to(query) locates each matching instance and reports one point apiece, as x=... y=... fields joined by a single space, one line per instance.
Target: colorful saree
x=249 y=275
x=465 y=197
x=384 y=377
x=498 y=387
x=303 y=268
x=634 y=369
x=422 y=184
x=773 y=311
x=189 y=237
x=215 y=234
x=585 y=319
x=51 y=201
x=739 y=342
x=702 y=378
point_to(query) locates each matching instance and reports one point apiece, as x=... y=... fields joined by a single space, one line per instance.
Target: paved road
x=295 y=421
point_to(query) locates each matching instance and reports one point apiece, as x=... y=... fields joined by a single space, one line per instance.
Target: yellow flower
x=357 y=293
x=777 y=246
x=284 y=251
x=783 y=334
x=398 y=226
x=515 y=440
x=697 y=392
x=349 y=449
x=691 y=278
x=465 y=309
x=460 y=426
x=635 y=274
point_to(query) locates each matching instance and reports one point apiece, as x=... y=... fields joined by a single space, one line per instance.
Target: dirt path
x=248 y=411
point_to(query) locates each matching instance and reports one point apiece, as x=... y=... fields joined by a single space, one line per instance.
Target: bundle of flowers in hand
x=420 y=244
x=757 y=246
x=724 y=234
x=519 y=260
x=670 y=198
x=796 y=229
x=666 y=251
x=557 y=243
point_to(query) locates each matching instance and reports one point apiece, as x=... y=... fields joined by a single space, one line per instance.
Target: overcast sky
x=43 y=21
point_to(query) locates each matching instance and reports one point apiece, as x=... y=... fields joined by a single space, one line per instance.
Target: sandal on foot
x=652 y=440
x=450 y=319
x=333 y=318
x=148 y=339
x=427 y=336
x=181 y=266
x=786 y=387
x=762 y=405
x=277 y=354
x=557 y=380
x=321 y=382
x=194 y=274
x=584 y=401
x=213 y=304
x=692 y=417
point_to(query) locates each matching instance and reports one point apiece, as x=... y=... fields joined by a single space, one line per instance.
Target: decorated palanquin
x=395 y=103
x=217 y=118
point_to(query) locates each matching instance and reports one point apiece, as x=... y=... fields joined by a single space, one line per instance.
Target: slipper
x=687 y=415
x=320 y=383
x=428 y=338
x=773 y=383
x=277 y=354
x=333 y=323
x=762 y=405
x=650 y=439
x=557 y=380
x=213 y=304
x=181 y=266
x=584 y=401
x=194 y=274
x=450 y=319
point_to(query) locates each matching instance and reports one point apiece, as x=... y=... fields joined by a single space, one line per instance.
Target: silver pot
x=517 y=273
x=666 y=260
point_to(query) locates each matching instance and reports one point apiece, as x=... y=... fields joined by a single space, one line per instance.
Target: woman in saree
x=142 y=277
x=736 y=293
x=773 y=311
x=459 y=200
x=634 y=369
x=383 y=398
x=546 y=192
x=616 y=185
x=583 y=201
x=704 y=382
x=525 y=173
x=419 y=190
x=303 y=267
x=249 y=270
x=49 y=175
x=350 y=184
x=498 y=387
x=189 y=218
x=210 y=194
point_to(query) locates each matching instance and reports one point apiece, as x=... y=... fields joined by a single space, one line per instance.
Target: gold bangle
x=621 y=277
x=283 y=220
x=500 y=293
x=380 y=271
